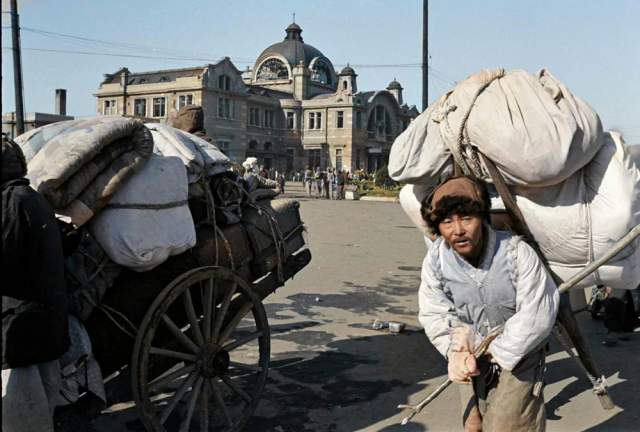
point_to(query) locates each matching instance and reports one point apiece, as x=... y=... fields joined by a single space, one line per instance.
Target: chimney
x=61 y=102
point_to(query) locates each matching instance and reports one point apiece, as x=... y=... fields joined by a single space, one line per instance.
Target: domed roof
x=292 y=48
x=348 y=70
x=394 y=85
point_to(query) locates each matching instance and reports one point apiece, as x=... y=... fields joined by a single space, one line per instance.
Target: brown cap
x=456 y=186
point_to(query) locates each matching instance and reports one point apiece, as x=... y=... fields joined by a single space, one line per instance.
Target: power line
x=109 y=54
x=172 y=55
x=202 y=59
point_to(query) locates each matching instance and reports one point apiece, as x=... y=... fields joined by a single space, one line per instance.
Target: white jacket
x=537 y=302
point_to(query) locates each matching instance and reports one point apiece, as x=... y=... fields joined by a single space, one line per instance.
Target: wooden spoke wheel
x=201 y=356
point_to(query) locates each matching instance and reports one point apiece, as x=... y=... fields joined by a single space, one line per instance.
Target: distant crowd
x=327 y=183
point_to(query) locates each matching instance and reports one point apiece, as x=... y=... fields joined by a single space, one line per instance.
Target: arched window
x=253 y=144
x=272 y=69
x=224 y=82
x=379 y=123
x=321 y=72
x=267 y=146
x=344 y=85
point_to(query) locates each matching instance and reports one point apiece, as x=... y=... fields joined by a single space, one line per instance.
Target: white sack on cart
x=531 y=126
x=199 y=156
x=142 y=238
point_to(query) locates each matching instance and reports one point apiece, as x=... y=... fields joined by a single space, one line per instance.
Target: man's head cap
x=456 y=186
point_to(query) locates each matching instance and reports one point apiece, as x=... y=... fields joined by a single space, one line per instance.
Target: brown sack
x=190 y=118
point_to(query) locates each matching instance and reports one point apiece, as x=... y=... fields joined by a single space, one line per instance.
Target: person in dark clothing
x=617 y=309
x=34 y=300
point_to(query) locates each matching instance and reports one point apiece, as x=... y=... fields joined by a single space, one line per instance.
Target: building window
x=272 y=69
x=268 y=118
x=184 y=100
x=358 y=119
x=159 y=107
x=344 y=85
x=225 y=108
x=267 y=146
x=313 y=159
x=224 y=82
x=340 y=119
x=321 y=72
x=140 y=107
x=253 y=145
x=223 y=146
x=291 y=121
x=315 y=120
x=339 y=159
x=379 y=123
x=111 y=107
x=254 y=116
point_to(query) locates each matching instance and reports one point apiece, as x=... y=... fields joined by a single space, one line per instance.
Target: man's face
x=463 y=234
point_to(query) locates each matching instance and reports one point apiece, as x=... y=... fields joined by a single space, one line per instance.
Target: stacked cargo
x=576 y=185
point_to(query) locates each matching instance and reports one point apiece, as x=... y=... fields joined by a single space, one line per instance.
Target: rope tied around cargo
x=463 y=142
x=140 y=206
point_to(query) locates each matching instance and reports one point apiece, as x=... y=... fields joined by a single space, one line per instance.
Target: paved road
x=331 y=372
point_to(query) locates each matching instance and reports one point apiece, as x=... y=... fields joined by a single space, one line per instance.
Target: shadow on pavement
x=319 y=391
x=621 y=360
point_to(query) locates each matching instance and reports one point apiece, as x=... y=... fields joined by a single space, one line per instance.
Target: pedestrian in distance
x=319 y=182
x=325 y=184
x=474 y=280
x=341 y=182
x=308 y=181
x=331 y=177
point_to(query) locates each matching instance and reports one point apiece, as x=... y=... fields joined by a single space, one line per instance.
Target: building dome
x=394 y=85
x=293 y=50
x=348 y=70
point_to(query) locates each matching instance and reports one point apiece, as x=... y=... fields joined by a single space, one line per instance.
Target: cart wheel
x=201 y=356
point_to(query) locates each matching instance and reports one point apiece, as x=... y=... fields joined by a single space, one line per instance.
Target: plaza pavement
x=332 y=372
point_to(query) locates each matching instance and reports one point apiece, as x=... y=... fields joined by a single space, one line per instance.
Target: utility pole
x=17 y=68
x=425 y=54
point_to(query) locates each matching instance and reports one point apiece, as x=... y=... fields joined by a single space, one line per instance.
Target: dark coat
x=34 y=299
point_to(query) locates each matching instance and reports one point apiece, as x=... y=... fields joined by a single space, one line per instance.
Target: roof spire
x=294 y=17
x=293 y=32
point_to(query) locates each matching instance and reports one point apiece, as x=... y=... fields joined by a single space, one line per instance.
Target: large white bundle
x=199 y=156
x=578 y=220
x=148 y=219
x=531 y=126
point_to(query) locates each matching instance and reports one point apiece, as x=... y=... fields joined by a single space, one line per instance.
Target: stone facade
x=291 y=110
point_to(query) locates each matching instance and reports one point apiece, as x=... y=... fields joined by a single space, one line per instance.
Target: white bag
x=531 y=126
x=142 y=238
x=199 y=156
x=579 y=220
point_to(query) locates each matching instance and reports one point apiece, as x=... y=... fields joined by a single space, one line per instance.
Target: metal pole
x=425 y=54
x=17 y=68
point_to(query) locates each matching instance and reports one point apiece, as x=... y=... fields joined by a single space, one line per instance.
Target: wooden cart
x=198 y=347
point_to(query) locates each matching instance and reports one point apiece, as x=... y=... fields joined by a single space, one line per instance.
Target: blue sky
x=592 y=46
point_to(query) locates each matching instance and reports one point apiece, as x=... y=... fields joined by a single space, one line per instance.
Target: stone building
x=291 y=110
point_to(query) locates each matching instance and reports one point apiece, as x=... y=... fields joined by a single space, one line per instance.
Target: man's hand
x=462 y=366
x=462 y=339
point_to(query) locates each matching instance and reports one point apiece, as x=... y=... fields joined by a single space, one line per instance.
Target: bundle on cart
x=576 y=186
x=174 y=248
x=78 y=165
